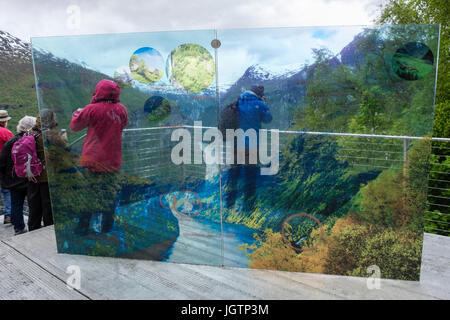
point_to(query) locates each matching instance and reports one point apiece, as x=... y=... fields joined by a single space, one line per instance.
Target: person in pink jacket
x=101 y=156
x=105 y=119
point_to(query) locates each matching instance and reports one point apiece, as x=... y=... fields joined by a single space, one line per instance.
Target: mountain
x=261 y=72
x=13 y=48
x=284 y=88
x=17 y=92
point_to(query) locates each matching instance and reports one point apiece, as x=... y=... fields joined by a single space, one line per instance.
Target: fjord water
x=199 y=240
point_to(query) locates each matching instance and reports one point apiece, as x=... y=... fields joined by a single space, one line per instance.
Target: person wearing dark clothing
x=10 y=181
x=40 y=205
x=38 y=192
x=252 y=112
x=101 y=157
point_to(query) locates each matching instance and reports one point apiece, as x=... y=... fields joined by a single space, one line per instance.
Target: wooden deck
x=30 y=268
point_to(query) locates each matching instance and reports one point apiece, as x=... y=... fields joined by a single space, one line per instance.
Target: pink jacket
x=105 y=119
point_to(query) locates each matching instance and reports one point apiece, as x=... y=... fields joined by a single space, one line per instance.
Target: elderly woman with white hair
x=18 y=186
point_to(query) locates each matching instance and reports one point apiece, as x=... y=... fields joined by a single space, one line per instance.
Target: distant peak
x=12 y=48
x=263 y=72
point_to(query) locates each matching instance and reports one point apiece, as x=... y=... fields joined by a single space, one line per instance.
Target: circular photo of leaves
x=157 y=109
x=147 y=65
x=123 y=77
x=190 y=67
x=413 y=61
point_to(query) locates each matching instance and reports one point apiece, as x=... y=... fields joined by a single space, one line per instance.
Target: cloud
x=50 y=17
x=27 y=19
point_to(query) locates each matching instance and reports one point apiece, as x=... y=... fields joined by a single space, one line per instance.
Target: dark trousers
x=85 y=221
x=17 y=201
x=246 y=172
x=39 y=205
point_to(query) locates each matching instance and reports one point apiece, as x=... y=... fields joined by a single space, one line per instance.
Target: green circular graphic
x=413 y=61
x=147 y=65
x=157 y=109
x=190 y=67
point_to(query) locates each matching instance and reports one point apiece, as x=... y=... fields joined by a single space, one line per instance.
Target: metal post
x=216 y=44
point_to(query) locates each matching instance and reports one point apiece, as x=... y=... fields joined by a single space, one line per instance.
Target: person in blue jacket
x=253 y=111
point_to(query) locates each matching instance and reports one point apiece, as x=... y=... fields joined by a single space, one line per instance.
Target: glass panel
x=333 y=181
x=350 y=104
x=148 y=207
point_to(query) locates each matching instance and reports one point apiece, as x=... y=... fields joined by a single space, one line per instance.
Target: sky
x=30 y=18
x=275 y=49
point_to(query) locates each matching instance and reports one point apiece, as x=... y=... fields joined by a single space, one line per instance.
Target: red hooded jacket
x=105 y=119
x=5 y=135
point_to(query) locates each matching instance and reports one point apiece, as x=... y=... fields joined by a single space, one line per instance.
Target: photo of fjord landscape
x=351 y=187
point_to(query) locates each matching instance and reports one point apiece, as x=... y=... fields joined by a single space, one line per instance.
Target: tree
x=427 y=12
x=430 y=12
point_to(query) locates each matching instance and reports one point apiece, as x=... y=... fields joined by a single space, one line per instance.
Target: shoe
x=20 y=232
x=7 y=219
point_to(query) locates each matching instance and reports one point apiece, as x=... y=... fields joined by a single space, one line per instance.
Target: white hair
x=26 y=123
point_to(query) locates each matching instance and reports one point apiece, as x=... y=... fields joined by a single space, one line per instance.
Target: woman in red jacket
x=105 y=119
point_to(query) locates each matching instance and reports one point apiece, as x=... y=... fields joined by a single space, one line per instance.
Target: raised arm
x=80 y=119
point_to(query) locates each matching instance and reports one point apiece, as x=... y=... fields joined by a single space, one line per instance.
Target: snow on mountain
x=14 y=48
x=262 y=72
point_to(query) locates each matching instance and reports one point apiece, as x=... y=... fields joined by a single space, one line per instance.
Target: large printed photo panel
x=120 y=105
x=296 y=149
x=344 y=184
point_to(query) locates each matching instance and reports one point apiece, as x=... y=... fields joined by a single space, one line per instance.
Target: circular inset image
x=294 y=231
x=190 y=67
x=157 y=109
x=123 y=77
x=413 y=61
x=147 y=65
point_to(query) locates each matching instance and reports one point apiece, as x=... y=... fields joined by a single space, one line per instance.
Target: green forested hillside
x=17 y=90
x=425 y=12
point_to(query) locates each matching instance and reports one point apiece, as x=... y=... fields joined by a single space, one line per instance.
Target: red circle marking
x=191 y=215
x=322 y=233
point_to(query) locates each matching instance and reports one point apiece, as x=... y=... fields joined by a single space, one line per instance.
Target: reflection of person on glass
x=38 y=190
x=252 y=112
x=105 y=119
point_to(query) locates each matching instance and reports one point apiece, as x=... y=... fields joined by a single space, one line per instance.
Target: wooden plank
x=106 y=278
x=20 y=278
x=7 y=230
x=435 y=275
x=112 y=278
x=264 y=284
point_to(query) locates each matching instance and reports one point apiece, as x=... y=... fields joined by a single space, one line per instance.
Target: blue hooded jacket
x=252 y=111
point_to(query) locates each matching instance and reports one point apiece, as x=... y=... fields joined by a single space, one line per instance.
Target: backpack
x=24 y=156
x=229 y=118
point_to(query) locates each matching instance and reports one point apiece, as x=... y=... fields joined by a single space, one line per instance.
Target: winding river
x=199 y=242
